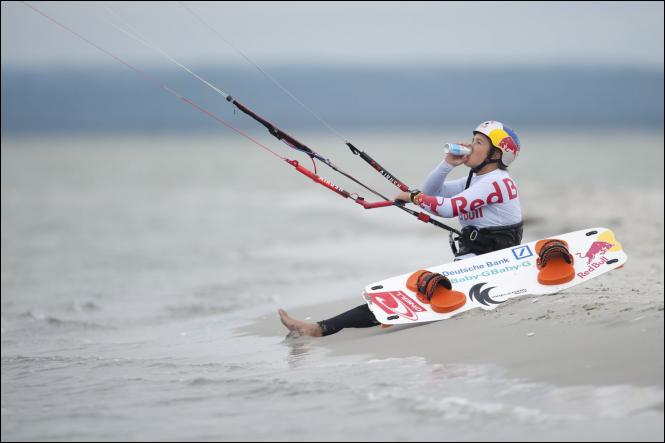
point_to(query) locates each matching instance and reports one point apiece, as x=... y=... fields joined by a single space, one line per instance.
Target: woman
x=486 y=203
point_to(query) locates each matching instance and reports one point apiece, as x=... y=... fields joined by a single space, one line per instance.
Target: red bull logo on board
x=596 y=248
x=595 y=254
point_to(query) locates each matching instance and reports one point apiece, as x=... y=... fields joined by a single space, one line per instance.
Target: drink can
x=455 y=149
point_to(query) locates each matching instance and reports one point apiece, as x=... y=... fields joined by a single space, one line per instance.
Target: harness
x=483 y=240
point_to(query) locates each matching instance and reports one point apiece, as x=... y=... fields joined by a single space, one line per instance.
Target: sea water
x=129 y=263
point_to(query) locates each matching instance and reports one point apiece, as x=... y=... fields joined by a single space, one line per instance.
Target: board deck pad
x=490 y=279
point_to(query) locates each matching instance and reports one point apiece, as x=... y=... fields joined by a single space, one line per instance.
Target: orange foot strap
x=436 y=290
x=555 y=262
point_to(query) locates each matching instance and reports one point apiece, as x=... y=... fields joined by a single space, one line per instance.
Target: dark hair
x=494 y=150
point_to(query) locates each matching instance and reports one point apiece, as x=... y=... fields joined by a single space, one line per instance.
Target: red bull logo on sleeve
x=432 y=201
x=595 y=254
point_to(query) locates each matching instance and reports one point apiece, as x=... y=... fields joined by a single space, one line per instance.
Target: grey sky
x=457 y=33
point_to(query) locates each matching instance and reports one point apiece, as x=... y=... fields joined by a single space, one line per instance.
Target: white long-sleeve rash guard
x=490 y=200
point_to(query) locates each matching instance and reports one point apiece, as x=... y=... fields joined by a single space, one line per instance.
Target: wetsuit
x=488 y=210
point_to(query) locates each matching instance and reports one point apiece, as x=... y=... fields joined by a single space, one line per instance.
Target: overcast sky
x=502 y=34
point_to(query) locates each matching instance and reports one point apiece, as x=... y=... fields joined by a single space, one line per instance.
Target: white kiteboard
x=490 y=279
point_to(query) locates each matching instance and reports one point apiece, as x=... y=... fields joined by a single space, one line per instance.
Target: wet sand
x=607 y=331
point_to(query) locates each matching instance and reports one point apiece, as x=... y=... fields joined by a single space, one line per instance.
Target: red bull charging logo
x=595 y=254
x=596 y=248
x=505 y=139
x=508 y=145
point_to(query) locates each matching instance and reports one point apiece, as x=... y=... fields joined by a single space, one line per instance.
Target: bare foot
x=299 y=327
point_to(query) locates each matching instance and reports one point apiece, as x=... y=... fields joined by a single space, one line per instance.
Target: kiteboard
x=491 y=279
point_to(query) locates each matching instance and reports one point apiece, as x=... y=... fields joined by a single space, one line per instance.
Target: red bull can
x=455 y=149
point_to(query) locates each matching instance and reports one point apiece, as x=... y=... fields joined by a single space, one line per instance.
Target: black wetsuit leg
x=358 y=317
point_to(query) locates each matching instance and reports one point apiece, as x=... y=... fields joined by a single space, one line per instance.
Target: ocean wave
x=87 y=306
x=58 y=322
x=472 y=393
x=193 y=310
x=25 y=361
